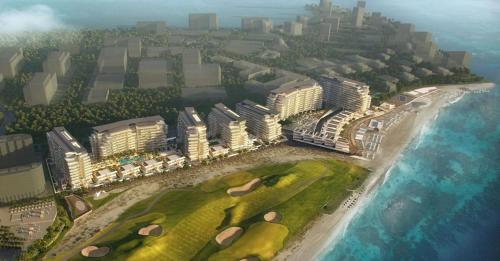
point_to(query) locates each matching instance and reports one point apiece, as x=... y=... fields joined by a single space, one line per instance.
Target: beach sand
x=328 y=227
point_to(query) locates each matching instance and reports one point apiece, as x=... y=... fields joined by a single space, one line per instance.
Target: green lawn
x=191 y=218
x=100 y=202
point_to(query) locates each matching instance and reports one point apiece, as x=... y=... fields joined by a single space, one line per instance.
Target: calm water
x=441 y=200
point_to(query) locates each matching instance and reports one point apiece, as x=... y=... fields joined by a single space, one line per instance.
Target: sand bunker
x=93 y=251
x=151 y=230
x=242 y=190
x=272 y=217
x=226 y=237
x=252 y=258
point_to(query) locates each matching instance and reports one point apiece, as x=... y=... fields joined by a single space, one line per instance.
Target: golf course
x=232 y=206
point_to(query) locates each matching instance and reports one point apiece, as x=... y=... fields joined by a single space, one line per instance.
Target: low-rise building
x=140 y=135
x=151 y=167
x=41 y=89
x=10 y=61
x=261 y=121
x=97 y=95
x=129 y=171
x=229 y=126
x=218 y=151
x=295 y=98
x=57 y=62
x=192 y=135
x=152 y=73
x=105 y=176
x=203 y=21
x=174 y=161
x=70 y=158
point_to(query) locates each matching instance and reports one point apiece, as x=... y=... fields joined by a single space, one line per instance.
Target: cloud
x=36 y=18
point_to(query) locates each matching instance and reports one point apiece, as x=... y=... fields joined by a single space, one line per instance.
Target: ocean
x=441 y=199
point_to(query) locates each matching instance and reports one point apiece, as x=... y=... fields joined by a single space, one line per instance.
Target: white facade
x=260 y=120
x=192 y=134
x=295 y=98
x=70 y=158
x=347 y=94
x=151 y=167
x=230 y=126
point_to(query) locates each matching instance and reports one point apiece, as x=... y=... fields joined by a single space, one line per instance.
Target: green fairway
x=191 y=218
x=255 y=243
x=100 y=202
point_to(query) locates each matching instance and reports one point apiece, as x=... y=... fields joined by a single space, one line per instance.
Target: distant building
x=256 y=24
x=325 y=32
x=57 y=62
x=152 y=73
x=202 y=75
x=325 y=4
x=192 y=134
x=295 y=98
x=358 y=14
x=203 y=21
x=293 y=28
x=97 y=95
x=109 y=81
x=229 y=126
x=457 y=59
x=134 y=47
x=141 y=135
x=70 y=158
x=10 y=61
x=112 y=60
x=261 y=121
x=21 y=171
x=335 y=23
x=151 y=27
x=41 y=89
x=304 y=20
x=191 y=56
x=346 y=94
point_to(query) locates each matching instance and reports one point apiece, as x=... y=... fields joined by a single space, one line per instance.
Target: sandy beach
x=327 y=228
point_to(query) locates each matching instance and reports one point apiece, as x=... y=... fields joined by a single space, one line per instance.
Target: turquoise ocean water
x=441 y=201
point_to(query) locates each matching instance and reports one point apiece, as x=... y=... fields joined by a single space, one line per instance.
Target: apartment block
x=10 y=61
x=256 y=24
x=191 y=56
x=304 y=20
x=346 y=94
x=293 y=28
x=192 y=134
x=151 y=27
x=134 y=47
x=112 y=60
x=57 y=62
x=229 y=126
x=325 y=32
x=70 y=158
x=41 y=89
x=152 y=73
x=295 y=98
x=358 y=14
x=457 y=59
x=203 y=21
x=202 y=75
x=141 y=135
x=261 y=121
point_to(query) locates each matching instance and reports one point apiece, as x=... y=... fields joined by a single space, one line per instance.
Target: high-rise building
x=152 y=73
x=293 y=28
x=151 y=27
x=230 y=126
x=41 y=89
x=71 y=160
x=141 y=135
x=325 y=32
x=192 y=134
x=457 y=59
x=344 y=93
x=21 y=171
x=261 y=121
x=203 y=21
x=57 y=62
x=325 y=5
x=256 y=24
x=304 y=20
x=358 y=14
x=10 y=61
x=294 y=98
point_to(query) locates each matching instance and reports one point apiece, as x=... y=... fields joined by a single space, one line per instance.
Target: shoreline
x=326 y=229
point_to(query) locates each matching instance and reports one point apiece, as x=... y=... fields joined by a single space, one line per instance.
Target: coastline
x=327 y=228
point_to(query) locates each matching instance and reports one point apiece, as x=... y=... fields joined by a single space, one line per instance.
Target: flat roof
x=22 y=154
x=230 y=114
x=257 y=108
x=58 y=55
x=153 y=65
x=126 y=123
x=67 y=141
x=192 y=117
x=292 y=86
x=40 y=79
